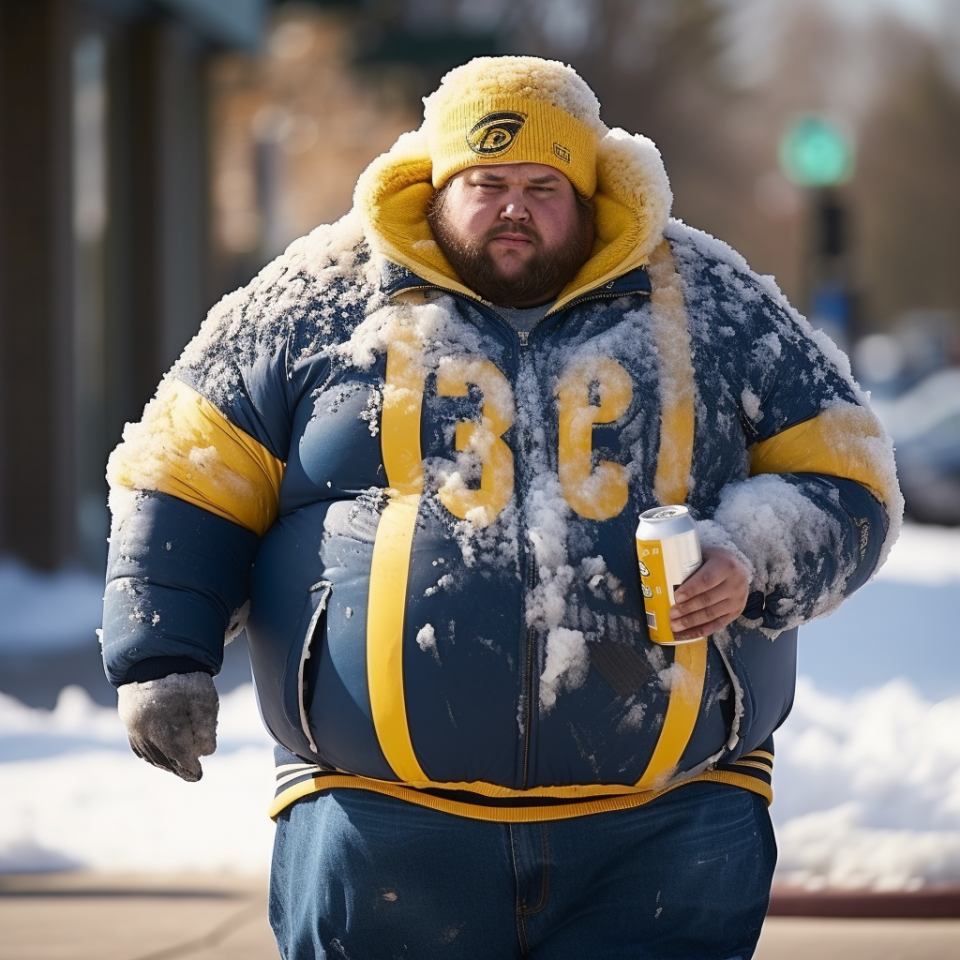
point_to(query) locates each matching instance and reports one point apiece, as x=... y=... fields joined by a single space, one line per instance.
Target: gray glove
x=172 y=722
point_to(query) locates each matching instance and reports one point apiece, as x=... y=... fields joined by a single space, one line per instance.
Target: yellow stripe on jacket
x=672 y=338
x=184 y=446
x=500 y=814
x=845 y=440
x=390 y=566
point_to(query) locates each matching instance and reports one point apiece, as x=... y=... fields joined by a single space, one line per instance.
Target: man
x=410 y=458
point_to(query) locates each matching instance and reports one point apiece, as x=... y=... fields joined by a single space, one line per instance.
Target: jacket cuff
x=155 y=668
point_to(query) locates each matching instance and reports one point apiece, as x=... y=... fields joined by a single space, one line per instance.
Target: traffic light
x=817 y=154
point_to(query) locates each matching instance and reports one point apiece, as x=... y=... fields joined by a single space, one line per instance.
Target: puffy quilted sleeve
x=195 y=484
x=822 y=506
x=806 y=489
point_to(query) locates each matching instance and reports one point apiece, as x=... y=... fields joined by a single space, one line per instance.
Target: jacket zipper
x=611 y=295
x=531 y=656
x=524 y=335
x=530 y=640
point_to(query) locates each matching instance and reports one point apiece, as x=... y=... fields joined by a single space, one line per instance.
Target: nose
x=515 y=209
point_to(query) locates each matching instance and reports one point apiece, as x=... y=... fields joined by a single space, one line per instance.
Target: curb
x=926 y=904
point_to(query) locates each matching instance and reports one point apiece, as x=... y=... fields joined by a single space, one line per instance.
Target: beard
x=546 y=274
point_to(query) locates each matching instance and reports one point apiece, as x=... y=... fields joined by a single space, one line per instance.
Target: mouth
x=509 y=241
x=514 y=238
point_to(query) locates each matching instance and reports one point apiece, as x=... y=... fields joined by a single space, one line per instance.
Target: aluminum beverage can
x=668 y=551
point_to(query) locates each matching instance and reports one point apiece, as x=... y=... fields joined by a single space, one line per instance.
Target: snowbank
x=924 y=554
x=46 y=611
x=867 y=789
x=75 y=796
x=867 y=792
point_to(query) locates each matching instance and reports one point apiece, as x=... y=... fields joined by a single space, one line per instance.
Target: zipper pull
x=524 y=336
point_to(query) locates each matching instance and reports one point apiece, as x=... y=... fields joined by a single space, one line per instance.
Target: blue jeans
x=357 y=876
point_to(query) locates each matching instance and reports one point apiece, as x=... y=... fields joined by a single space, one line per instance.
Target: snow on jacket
x=430 y=518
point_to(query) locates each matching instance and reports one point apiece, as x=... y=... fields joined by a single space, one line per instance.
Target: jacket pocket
x=764 y=673
x=298 y=673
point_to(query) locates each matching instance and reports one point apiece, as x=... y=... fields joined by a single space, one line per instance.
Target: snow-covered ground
x=867 y=775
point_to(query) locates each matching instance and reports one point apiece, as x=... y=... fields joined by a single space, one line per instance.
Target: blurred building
x=104 y=267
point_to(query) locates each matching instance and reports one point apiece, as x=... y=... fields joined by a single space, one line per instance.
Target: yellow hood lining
x=632 y=206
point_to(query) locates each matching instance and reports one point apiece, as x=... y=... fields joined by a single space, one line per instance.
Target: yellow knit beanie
x=514 y=110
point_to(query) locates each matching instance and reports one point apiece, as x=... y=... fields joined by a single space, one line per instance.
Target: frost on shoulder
x=309 y=296
x=189 y=442
x=697 y=251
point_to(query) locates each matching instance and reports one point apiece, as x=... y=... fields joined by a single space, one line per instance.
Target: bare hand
x=712 y=597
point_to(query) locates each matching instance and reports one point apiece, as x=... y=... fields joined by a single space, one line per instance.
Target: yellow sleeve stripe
x=845 y=440
x=185 y=447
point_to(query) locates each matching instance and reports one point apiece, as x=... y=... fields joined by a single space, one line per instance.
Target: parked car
x=925 y=425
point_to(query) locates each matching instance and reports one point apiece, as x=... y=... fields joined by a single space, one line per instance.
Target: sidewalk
x=832 y=938
x=88 y=916
x=860 y=925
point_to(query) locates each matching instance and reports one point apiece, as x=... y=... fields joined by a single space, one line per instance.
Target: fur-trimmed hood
x=632 y=207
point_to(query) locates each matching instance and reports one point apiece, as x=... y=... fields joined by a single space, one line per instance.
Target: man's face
x=516 y=233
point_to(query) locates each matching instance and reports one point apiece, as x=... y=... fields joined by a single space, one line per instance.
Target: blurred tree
x=908 y=186
x=293 y=128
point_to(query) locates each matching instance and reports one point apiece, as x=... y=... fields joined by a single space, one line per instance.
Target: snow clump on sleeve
x=773 y=523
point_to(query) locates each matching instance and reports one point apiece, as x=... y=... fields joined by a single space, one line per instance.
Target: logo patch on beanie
x=494 y=134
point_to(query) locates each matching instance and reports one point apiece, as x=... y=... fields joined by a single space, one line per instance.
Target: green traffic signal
x=814 y=152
